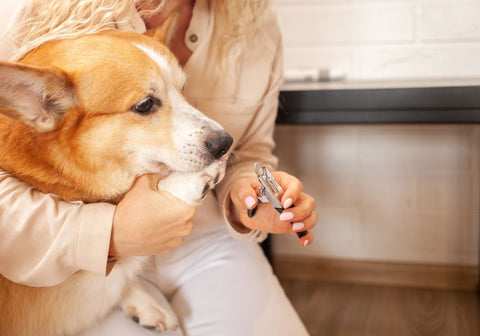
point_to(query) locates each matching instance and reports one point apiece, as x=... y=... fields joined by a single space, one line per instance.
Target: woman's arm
x=256 y=145
x=237 y=191
x=44 y=240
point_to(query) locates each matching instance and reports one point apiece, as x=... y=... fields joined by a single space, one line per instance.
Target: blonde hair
x=238 y=23
x=241 y=16
x=45 y=20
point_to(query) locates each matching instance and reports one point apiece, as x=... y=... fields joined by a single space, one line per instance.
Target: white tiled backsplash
x=389 y=193
x=383 y=39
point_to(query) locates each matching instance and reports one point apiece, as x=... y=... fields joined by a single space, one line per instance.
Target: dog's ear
x=35 y=96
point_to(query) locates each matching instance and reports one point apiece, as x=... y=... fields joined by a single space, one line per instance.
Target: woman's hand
x=302 y=217
x=148 y=221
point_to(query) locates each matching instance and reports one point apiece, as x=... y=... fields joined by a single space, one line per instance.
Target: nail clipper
x=268 y=192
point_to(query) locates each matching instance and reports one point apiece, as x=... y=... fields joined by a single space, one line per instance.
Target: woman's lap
x=217 y=286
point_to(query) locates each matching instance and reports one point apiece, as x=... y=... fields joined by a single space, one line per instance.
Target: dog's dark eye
x=146 y=106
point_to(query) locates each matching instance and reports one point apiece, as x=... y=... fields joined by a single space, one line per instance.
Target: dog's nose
x=219 y=144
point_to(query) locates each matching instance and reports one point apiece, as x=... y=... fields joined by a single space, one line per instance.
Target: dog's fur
x=70 y=124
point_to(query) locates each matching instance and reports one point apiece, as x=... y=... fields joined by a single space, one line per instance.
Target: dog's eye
x=145 y=106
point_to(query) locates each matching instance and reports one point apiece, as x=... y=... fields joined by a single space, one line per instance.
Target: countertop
x=370 y=102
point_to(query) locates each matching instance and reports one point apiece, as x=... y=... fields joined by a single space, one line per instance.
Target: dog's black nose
x=219 y=144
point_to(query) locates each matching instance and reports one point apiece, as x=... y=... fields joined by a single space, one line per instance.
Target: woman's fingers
x=243 y=193
x=299 y=214
x=304 y=206
x=306 y=240
x=292 y=187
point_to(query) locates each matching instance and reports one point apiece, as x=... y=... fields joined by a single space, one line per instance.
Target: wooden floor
x=336 y=309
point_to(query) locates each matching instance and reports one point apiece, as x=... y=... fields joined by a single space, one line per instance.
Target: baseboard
x=378 y=273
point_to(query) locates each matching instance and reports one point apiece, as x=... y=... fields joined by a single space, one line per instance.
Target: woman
x=217 y=285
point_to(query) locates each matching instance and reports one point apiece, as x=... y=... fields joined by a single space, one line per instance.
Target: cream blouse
x=44 y=239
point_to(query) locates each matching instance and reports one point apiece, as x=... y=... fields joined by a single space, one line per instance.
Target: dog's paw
x=213 y=174
x=147 y=311
x=152 y=317
x=192 y=187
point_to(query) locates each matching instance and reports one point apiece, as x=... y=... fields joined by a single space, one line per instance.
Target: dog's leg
x=190 y=188
x=146 y=310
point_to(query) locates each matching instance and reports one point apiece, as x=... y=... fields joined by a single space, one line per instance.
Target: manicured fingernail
x=298 y=226
x=288 y=202
x=305 y=242
x=249 y=201
x=285 y=216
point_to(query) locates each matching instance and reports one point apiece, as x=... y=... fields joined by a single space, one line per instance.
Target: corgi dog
x=83 y=118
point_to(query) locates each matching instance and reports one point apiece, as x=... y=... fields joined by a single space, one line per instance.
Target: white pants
x=218 y=286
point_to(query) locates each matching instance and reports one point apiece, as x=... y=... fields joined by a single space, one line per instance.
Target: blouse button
x=193 y=38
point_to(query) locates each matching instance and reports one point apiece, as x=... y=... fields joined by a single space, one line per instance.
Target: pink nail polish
x=288 y=203
x=249 y=201
x=305 y=242
x=298 y=226
x=286 y=216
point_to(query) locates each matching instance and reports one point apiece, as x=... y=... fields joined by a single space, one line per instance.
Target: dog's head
x=105 y=108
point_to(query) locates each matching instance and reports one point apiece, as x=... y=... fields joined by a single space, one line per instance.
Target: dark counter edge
x=458 y=104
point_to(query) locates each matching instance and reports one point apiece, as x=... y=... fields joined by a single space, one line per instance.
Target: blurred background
x=383 y=39
x=398 y=204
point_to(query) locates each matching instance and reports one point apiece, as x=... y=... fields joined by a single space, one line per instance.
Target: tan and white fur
x=82 y=118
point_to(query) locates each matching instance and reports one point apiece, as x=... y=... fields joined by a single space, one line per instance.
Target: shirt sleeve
x=256 y=146
x=44 y=240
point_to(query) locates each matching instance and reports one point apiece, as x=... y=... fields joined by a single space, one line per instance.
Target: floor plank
x=339 y=309
x=468 y=313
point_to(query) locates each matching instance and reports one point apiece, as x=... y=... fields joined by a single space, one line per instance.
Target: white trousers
x=218 y=286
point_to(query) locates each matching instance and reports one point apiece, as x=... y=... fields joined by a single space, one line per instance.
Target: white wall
x=390 y=193
x=383 y=39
